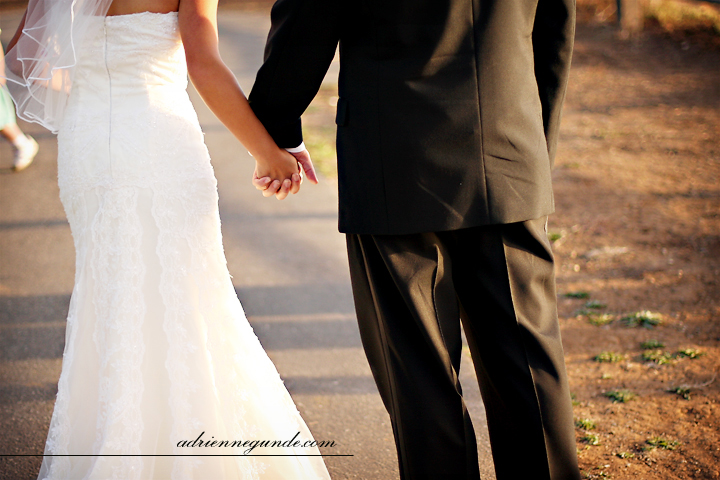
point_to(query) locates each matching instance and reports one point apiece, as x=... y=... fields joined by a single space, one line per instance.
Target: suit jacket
x=449 y=109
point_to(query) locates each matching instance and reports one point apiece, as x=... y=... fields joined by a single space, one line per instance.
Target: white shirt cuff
x=298 y=149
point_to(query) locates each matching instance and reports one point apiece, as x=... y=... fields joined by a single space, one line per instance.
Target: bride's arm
x=12 y=43
x=18 y=32
x=220 y=90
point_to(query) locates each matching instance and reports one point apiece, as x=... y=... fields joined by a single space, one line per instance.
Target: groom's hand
x=306 y=166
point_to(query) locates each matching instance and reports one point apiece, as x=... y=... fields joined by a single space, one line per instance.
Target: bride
x=159 y=359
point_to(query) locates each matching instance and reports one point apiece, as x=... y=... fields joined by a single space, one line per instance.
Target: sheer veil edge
x=40 y=66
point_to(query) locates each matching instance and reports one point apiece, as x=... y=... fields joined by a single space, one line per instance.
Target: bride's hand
x=278 y=175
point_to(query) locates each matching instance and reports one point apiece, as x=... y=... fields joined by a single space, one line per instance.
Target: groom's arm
x=300 y=47
x=553 y=35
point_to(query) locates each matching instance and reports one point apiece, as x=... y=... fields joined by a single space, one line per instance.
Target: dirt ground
x=637 y=229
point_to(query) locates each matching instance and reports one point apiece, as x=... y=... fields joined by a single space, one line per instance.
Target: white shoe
x=25 y=155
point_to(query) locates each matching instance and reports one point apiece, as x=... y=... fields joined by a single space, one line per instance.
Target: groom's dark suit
x=447 y=124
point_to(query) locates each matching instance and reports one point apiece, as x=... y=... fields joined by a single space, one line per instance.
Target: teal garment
x=7 y=108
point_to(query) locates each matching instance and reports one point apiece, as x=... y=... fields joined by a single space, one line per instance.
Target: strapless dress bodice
x=134 y=52
x=129 y=120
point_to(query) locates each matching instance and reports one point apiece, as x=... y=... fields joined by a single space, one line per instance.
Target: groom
x=447 y=126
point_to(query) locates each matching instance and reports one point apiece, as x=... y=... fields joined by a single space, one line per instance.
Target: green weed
x=579 y=294
x=590 y=439
x=660 y=442
x=682 y=390
x=651 y=345
x=644 y=318
x=585 y=423
x=689 y=353
x=595 y=305
x=609 y=357
x=620 y=396
x=599 y=320
x=657 y=356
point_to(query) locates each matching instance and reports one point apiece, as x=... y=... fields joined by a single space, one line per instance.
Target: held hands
x=282 y=174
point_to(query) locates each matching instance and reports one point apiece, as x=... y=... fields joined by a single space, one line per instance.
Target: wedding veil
x=39 y=67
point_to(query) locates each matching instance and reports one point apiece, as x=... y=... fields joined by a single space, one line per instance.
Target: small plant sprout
x=554 y=236
x=580 y=294
x=593 y=476
x=660 y=442
x=602 y=473
x=590 y=439
x=574 y=400
x=609 y=357
x=681 y=390
x=652 y=345
x=661 y=357
x=599 y=320
x=585 y=423
x=625 y=455
x=657 y=356
x=689 y=353
x=620 y=396
x=644 y=318
x=595 y=305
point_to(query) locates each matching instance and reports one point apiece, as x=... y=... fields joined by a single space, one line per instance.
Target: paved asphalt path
x=289 y=269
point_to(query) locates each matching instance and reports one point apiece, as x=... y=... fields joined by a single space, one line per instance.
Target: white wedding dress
x=158 y=349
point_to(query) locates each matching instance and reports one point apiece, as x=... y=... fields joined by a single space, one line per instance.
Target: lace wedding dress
x=158 y=350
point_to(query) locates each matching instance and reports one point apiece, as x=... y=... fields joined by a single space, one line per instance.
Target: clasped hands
x=283 y=174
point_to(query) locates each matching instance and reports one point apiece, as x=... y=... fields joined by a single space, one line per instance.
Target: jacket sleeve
x=301 y=44
x=553 y=36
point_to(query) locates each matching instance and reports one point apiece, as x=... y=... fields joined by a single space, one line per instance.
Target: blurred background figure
x=24 y=145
